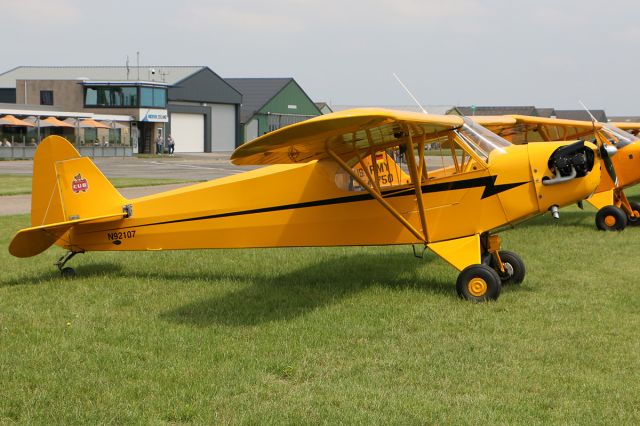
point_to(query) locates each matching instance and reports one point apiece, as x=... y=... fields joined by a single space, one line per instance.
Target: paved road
x=184 y=166
x=20 y=204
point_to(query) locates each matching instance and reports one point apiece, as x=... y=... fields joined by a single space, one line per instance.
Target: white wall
x=223 y=127
x=251 y=130
x=188 y=132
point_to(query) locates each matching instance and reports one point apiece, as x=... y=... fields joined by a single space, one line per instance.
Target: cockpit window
x=621 y=138
x=481 y=140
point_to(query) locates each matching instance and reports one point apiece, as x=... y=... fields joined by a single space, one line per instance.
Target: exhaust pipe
x=555 y=212
x=559 y=178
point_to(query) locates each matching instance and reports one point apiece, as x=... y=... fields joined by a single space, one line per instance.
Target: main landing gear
x=481 y=283
x=67 y=272
x=616 y=217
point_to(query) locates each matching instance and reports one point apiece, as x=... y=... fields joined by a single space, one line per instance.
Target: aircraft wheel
x=632 y=220
x=611 y=218
x=68 y=273
x=478 y=283
x=514 y=269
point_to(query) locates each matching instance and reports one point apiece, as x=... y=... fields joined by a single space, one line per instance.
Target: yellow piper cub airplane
x=322 y=189
x=615 y=210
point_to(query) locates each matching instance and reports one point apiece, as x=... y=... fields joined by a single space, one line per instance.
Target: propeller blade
x=605 y=153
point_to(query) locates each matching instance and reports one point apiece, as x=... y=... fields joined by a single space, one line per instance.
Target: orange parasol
x=10 y=120
x=53 y=122
x=91 y=123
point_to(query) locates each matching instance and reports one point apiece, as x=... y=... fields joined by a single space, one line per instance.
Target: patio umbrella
x=91 y=123
x=10 y=120
x=117 y=125
x=49 y=122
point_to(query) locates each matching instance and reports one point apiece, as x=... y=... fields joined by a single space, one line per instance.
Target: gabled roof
x=625 y=118
x=431 y=109
x=580 y=114
x=321 y=105
x=494 y=110
x=256 y=93
x=163 y=73
x=546 y=112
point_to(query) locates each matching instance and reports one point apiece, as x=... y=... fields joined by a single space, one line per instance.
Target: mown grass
x=324 y=335
x=15 y=184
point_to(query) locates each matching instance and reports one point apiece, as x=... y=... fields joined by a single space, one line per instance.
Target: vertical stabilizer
x=69 y=187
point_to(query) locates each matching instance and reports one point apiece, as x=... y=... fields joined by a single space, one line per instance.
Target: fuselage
x=305 y=205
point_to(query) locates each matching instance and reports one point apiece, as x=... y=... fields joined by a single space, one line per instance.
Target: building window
x=46 y=97
x=125 y=96
x=111 y=96
x=153 y=97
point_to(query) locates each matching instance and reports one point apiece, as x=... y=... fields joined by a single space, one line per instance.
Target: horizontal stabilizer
x=32 y=241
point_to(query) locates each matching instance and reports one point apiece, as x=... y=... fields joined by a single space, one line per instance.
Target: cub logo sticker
x=79 y=184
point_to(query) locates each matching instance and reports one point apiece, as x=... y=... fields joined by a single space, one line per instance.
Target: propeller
x=606 y=152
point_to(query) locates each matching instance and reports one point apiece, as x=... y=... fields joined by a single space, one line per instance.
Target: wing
x=633 y=128
x=347 y=133
x=524 y=128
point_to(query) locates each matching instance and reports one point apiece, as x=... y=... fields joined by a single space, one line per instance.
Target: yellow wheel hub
x=477 y=287
x=610 y=220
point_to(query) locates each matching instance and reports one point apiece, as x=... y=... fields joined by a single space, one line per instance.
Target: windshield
x=480 y=139
x=624 y=138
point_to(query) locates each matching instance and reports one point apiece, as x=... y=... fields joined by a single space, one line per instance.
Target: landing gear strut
x=67 y=272
x=512 y=270
x=507 y=264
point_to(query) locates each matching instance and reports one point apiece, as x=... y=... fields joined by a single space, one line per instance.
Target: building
x=493 y=110
x=546 y=112
x=271 y=103
x=431 y=109
x=581 y=114
x=193 y=103
x=625 y=119
x=324 y=107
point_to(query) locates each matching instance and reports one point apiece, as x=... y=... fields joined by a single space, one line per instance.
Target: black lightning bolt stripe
x=488 y=182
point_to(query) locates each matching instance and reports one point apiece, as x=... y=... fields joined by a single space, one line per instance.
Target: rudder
x=68 y=187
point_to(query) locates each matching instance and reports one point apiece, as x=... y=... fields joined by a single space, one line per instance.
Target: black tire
x=611 y=218
x=478 y=283
x=632 y=220
x=68 y=273
x=513 y=265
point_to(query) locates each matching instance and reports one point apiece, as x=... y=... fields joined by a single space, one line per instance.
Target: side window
x=387 y=167
x=46 y=97
x=448 y=157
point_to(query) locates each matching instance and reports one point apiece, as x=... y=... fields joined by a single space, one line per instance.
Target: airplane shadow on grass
x=268 y=298
x=292 y=294
x=53 y=275
x=583 y=219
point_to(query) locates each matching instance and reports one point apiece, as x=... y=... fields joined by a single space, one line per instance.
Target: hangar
x=199 y=108
x=271 y=103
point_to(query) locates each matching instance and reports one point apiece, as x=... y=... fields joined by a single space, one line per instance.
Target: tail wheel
x=635 y=208
x=611 y=218
x=514 y=269
x=68 y=273
x=478 y=283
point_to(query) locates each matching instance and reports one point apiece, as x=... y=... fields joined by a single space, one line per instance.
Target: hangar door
x=188 y=132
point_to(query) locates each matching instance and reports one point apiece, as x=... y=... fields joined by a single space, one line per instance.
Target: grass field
x=14 y=184
x=332 y=335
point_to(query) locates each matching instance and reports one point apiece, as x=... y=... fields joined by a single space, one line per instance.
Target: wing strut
x=375 y=194
x=416 y=178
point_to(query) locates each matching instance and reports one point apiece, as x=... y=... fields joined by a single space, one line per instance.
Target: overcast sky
x=547 y=53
